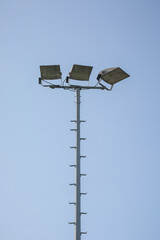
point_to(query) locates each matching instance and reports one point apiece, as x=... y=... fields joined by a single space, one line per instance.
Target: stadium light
x=50 y=72
x=82 y=73
x=112 y=75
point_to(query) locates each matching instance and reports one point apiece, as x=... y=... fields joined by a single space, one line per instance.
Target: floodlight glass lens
x=80 y=72
x=113 y=75
x=50 y=72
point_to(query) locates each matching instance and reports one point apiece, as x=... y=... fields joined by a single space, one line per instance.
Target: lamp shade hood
x=113 y=75
x=50 y=72
x=80 y=72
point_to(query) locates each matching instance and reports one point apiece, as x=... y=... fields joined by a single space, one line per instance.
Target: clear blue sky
x=122 y=128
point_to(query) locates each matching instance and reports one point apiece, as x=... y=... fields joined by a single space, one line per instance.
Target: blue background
x=122 y=128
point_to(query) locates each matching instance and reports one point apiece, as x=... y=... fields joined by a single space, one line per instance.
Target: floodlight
x=112 y=75
x=80 y=72
x=50 y=72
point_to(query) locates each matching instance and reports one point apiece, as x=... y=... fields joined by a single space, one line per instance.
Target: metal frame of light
x=76 y=74
x=112 y=75
x=80 y=72
x=50 y=72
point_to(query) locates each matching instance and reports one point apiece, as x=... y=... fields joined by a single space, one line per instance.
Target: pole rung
x=83 y=193
x=83 y=156
x=83 y=175
x=73 y=121
x=73 y=184
x=73 y=147
x=83 y=232
x=83 y=213
x=83 y=138
x=82 y=121
x=72 y=223
x=73 y=165
x=73 y=129
x=72 y=203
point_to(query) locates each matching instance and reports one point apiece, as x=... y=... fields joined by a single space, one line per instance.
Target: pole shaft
x=78 y=183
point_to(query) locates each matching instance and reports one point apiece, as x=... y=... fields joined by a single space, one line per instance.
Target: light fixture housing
x=50 y=72
x=112 y=75
x=80 y=72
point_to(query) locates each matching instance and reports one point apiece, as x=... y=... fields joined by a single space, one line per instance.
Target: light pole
x=81 y=73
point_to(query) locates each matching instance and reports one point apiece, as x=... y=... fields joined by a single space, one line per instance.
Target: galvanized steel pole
x=117 y=74
x=78 y=176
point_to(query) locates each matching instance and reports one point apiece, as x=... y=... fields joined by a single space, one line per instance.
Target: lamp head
x=112 y=75
x=50 y=72
x=80 y=72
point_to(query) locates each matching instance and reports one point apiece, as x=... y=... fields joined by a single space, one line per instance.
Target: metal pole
x=78 y=182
